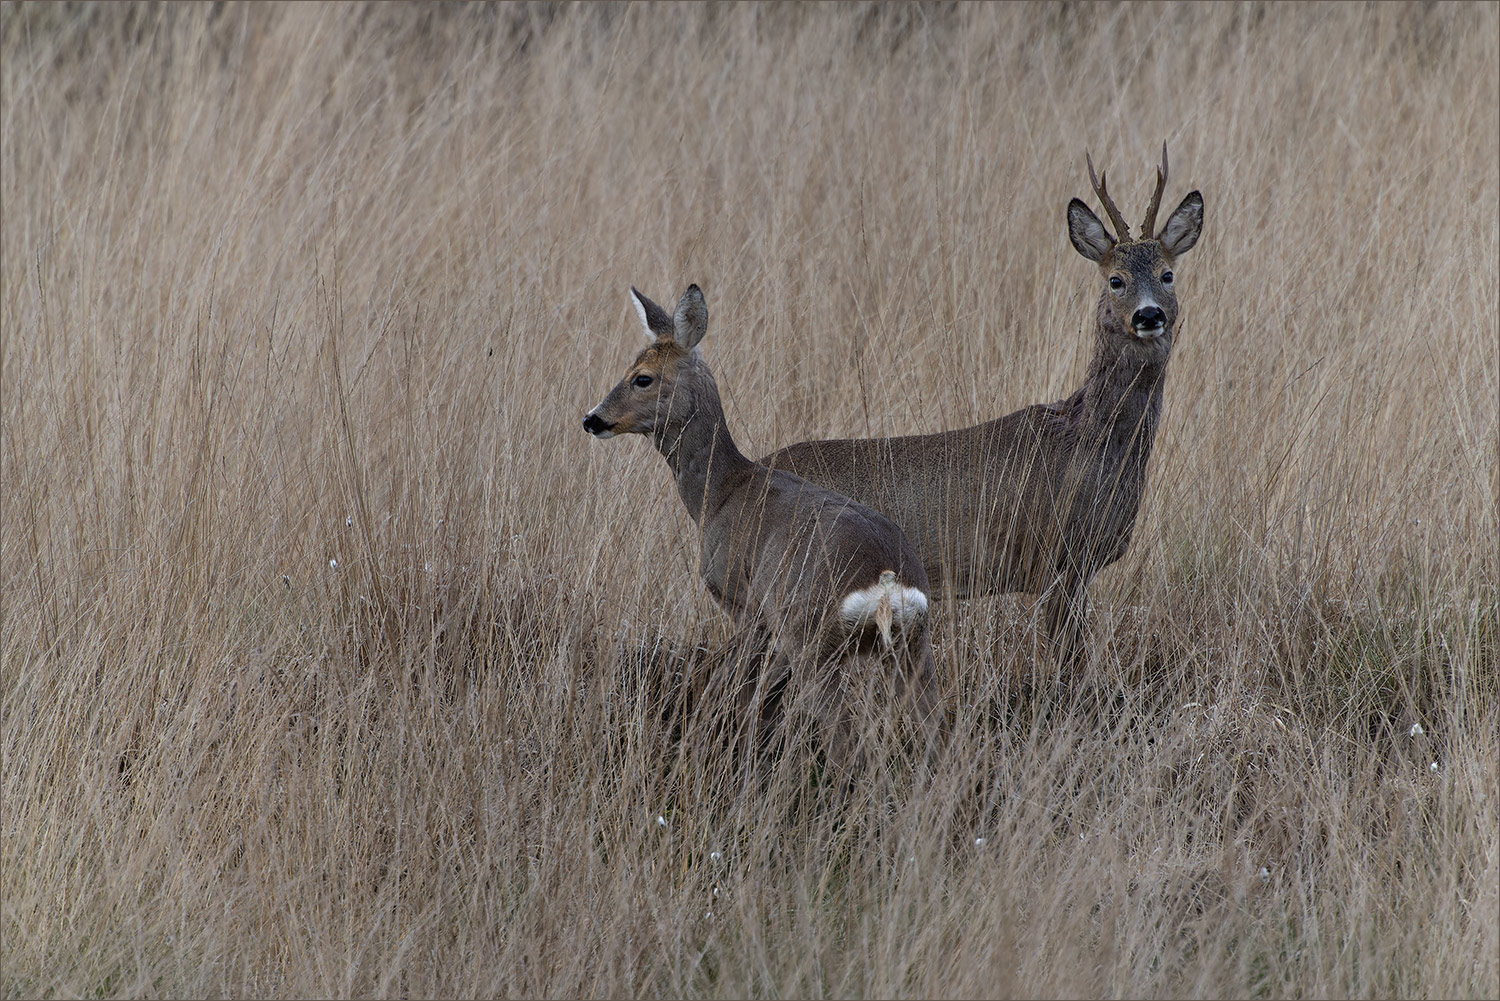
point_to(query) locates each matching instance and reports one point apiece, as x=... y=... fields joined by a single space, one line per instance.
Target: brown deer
x=1039 y=500
x=836 y=588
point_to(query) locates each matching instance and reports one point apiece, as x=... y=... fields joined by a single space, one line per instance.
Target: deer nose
x=592 y=424
x=1149 y=318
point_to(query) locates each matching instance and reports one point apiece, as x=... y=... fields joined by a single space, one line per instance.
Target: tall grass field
x=337 y=660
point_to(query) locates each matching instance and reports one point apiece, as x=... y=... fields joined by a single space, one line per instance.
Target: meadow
x=337 y=660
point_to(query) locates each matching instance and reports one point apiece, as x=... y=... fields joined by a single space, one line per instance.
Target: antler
x=1122 y=229
x=1161 y=183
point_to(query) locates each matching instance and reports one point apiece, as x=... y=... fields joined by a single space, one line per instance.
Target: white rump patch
x=884 y=603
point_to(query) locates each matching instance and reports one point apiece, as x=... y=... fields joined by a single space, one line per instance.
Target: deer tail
x=884 y=604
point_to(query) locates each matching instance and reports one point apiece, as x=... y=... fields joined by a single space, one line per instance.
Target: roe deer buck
x=1041 y=499
x=836 y=587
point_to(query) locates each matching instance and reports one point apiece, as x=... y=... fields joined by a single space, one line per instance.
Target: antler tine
x=1122 y=228
x=1161 y=184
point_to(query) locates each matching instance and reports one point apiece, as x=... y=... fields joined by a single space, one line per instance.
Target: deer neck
x=1123 y=391
x=704 y=459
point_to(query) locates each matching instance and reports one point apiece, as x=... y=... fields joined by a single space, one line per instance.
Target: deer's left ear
x=1183 y=227
x=655 y=319
x=691 y=321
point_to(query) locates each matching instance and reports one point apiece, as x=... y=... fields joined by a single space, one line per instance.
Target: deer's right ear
x=1183 y=226
x=1088 y=234
x=655 y=319
x=691 y=321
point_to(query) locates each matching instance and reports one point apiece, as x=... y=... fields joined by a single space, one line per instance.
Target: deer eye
x=1166 y=277
x=1116 y=282
x=642 y=381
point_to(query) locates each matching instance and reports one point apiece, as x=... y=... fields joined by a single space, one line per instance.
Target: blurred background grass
x=323 y=618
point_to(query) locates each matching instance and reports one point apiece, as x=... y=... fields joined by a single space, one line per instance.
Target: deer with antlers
x=836 y=588
x=1041 y=499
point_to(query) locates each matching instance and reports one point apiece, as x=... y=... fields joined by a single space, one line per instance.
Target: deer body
x=1043 y=498
x=836 y=586
x=776 y=550
x=1047 y=493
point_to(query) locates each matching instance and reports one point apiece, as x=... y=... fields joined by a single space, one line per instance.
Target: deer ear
x=1088 y=234
x=1183 y=226
x=655 y=319
x=691 y=321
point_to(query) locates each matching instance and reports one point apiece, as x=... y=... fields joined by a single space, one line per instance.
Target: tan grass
x=284 y=286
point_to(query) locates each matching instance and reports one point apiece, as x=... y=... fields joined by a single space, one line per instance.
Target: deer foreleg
x=1067 y=605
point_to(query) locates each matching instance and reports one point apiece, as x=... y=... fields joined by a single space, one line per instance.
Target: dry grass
x=286 y=286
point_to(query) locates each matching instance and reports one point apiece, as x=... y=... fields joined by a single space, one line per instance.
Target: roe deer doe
x=836 y=587
x=1041 y=499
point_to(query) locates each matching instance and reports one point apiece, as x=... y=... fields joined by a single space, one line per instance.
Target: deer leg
x=835 y=714
x=922 y=693
x=1066 y=608
x=755 y=679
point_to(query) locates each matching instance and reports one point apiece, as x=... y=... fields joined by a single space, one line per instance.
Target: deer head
x=668 y=383
x=1138 y=308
